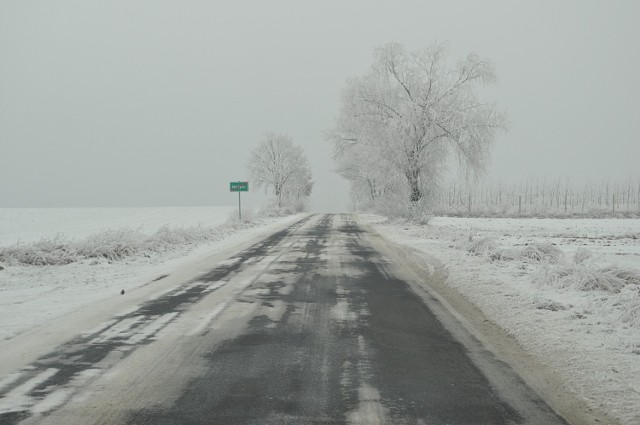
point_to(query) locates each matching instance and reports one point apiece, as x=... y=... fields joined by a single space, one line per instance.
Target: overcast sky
x=158 y=103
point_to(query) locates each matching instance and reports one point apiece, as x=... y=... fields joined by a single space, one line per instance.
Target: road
x=317 y=323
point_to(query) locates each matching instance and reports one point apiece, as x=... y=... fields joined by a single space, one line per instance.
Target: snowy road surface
x=318 y=323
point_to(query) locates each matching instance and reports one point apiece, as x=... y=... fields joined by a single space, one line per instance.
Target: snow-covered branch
x=409 y=113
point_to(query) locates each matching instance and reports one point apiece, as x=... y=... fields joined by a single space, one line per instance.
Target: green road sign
x=239 y=186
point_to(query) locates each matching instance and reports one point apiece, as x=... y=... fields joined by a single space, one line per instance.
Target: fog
x=158 y=103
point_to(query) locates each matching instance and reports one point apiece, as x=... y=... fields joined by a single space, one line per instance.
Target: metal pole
x=239 y=207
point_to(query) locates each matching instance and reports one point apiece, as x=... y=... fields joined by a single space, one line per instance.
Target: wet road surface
x=314 y=324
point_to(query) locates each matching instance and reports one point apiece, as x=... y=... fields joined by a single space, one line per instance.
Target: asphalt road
x=314 y=324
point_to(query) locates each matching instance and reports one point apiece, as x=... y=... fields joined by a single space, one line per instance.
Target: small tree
x=410 y=112
x=277 y=164
x=300 y=185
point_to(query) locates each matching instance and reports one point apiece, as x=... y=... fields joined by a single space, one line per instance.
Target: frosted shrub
x=502 y=254
x=273 y=210
x=56 y=251
x=628 y=275
x=483 y=246
x=249 y=216
x=629 y=300
x=581 y=255
x=166 y=236
x=116 y=244
x=586 y=278
x=298 y=205
x=621 y=308
x=420 y=215
x=542 y=253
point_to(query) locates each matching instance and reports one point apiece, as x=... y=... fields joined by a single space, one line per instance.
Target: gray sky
x=157 y=103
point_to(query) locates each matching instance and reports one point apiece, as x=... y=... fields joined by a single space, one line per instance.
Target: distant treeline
x=541 y=197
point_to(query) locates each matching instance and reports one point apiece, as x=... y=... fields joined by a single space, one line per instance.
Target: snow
x=33 y=295
x=589 y=339
x=33 y=224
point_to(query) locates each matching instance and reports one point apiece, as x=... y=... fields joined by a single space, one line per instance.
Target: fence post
x=469 y=203
x=613 y=202
x=519 y=204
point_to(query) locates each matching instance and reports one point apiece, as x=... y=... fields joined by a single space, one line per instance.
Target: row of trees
x=401 y=122
x=541 y=196
x=279 y=165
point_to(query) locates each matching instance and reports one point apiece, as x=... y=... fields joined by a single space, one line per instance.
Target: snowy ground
x=589 y=338
x=33 y=295
x=32 y=224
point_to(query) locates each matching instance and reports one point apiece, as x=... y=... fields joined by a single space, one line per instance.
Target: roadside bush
x=288 y=207
x=502 y=254
x=483 y=246
x=588 y=278
x=116 y=244
x=581 y=255
x=542 y=253
x=248 y=216
x=56 y=251
x=629 y=300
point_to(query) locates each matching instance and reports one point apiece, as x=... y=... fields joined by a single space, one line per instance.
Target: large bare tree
x=280 y=165
x=411 y=111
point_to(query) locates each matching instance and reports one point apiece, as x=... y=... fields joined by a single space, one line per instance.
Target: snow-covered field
x=32 y=295
x=33 y=224
x=576 y=311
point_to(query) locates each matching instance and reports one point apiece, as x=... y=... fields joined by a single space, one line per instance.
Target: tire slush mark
x=17 y=400
x=270 y=373
x=369 y=410
x=260 y=250
x=447 y=388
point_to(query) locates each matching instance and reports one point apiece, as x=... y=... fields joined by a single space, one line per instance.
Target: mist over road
x=314 y=324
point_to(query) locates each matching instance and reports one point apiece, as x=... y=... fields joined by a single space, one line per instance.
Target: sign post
x=239 y=187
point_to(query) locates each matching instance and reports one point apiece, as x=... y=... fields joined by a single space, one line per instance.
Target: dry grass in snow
x=585 y=277
x=113 y=244
x=555 y=270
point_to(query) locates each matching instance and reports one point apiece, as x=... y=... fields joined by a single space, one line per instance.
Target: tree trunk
x=372 y=189
x=278 y=191
x=413 y=178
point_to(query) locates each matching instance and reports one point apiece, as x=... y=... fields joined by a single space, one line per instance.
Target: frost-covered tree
x=401 y=121
x=281 y=166
x=301 y=185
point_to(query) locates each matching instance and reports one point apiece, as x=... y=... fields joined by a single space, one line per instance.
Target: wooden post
x=613 y=202
x=469 y=203
x=520 y=204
